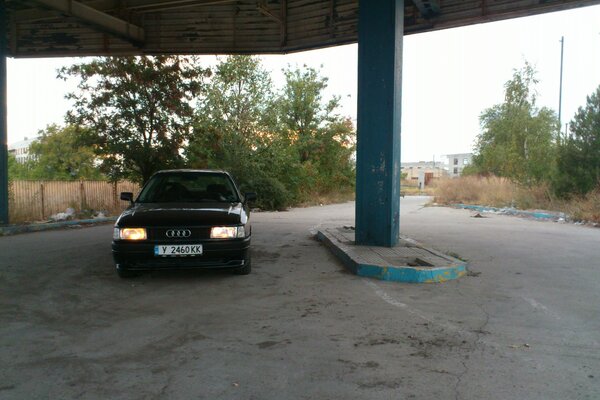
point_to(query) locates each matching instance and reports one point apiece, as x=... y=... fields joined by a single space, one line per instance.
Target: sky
x=449 y=78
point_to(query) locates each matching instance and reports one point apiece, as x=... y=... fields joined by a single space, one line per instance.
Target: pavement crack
x=459 y=380
x=162 y=394
x=481 y=331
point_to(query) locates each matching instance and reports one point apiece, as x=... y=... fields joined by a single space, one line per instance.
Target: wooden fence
x=38 y=200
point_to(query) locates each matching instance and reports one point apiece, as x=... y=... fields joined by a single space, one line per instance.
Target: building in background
x=427 y=170
x=21 y=150
x=456 y=163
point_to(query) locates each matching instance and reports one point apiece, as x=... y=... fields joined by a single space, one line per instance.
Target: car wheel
x=245 y=270
x=125 y=273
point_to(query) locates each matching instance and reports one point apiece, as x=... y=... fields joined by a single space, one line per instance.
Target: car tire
x=125 y=273
x=246 y=269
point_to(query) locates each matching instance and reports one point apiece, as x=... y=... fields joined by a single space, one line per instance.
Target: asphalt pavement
x=524 y=324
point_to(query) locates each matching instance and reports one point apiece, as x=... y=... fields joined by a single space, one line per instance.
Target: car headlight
x=130 y=233
x=227 y=232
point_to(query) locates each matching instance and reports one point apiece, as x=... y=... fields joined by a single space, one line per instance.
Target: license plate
x=178 y=250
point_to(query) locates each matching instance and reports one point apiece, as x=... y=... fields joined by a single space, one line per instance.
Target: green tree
x=578 y=169
x=139 y=110
x=518 y=140
x=286 y=146
x=58 y=154
x=230 y=119
x=232 y=131
x=17 y=170
x=322 y=139
x=301 y=110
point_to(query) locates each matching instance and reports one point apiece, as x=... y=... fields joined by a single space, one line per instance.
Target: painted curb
x=397 y=273
x=16 y=229
x=512 y=211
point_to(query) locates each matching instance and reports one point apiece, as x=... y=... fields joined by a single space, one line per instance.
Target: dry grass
x=492 y=191
x=501 y=192
x=585 y=208
x=408 y=188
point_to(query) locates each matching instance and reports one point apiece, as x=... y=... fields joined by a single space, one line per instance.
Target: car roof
x=211 y=171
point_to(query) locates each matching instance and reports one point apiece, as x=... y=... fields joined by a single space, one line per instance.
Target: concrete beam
x=36 y=14
x=104 y=22
x=41 y=14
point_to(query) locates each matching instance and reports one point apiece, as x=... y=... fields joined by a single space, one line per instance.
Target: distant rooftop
x=25 y=143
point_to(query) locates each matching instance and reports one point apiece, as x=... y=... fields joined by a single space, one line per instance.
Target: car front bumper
x=215 y=254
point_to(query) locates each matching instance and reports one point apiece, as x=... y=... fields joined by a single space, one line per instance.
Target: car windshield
x=189 y=187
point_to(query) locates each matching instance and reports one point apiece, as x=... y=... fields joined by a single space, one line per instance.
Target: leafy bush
x=271 y=194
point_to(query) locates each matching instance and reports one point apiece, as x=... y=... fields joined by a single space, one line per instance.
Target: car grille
x=180 y=235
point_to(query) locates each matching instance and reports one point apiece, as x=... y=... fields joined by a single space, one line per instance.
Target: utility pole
x=562 y=48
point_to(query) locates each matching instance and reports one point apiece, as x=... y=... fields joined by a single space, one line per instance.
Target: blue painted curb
x=395 y=273
x=512 y=211
x=412 y=274
x=16 y=229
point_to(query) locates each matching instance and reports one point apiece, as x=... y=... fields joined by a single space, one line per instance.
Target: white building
x=456 y=163
x=432 y=168
x=21 y=150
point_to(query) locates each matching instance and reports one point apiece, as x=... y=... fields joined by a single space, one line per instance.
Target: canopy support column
x=3 y=112
x=380 y=35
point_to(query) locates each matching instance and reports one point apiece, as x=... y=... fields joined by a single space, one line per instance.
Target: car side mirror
x=127 y=196
x=250 y=196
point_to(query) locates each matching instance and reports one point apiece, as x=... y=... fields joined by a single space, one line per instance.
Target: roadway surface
x=525 y=323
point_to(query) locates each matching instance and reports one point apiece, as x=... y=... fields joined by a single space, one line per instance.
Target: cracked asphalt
x=525 y=323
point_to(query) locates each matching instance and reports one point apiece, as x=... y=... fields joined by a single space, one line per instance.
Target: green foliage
x=286 y=146
x=321 y=141
x=139 y=110
x=471 y=170
x=229 y=128
x=16 y=170
x=578 y=169
x=58 y=154
x=518 y=140
x=144 y=114
x=300 y=109
x=271 y=193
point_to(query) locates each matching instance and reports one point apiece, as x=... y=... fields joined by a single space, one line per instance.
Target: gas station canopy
x=47 y=28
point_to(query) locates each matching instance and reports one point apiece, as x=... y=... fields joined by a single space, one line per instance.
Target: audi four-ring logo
x=178 y=233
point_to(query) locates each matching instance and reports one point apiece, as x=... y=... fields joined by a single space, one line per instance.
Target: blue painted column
x=3 y=111
x=380 y=34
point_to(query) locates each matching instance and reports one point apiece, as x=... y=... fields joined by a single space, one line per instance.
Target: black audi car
x=184 y=219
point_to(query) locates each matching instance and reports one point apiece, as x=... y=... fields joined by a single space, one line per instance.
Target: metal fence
x=38 y=200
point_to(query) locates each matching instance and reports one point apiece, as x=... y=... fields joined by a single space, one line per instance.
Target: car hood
x=189 y=214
